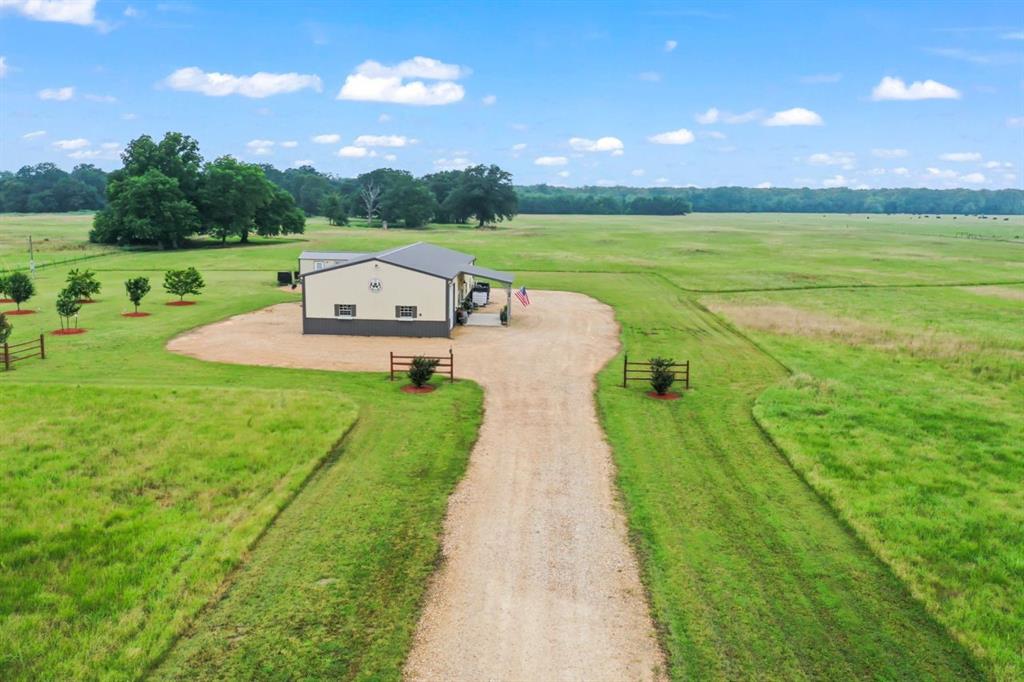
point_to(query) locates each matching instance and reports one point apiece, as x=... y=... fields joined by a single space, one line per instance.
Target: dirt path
x=538 y=580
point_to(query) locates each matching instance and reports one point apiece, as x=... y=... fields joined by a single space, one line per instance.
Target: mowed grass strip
x=750 y=574
x=907 y=414
x=124 y=509
x=333 y=590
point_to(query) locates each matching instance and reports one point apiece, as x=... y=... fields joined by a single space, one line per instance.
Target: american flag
x=523 y=297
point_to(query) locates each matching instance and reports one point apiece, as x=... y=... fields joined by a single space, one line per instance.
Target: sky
x=800 y=94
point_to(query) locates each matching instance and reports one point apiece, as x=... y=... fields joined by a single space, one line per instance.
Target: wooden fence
x=641 y=371
x=12 y=353
x=445 y=364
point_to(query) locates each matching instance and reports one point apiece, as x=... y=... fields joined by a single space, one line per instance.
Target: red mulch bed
x=667 y=396
x=413 y=389
x=85 y=301
x=180 y=303
x=134 y=314
x=68 y=332
x=6 y=300
x=19 y=312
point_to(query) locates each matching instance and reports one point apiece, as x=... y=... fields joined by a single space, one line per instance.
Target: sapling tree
x=662 y=376
x=184 y=282
x=421 y=370
x=83 y=284
x=67 y=306
x=20 y=287
x=4 y=278
x=137 y=288
x=5 y=329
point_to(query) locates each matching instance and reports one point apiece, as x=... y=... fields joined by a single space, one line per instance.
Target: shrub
x=4 y=279
x=20 y=287
x=5 y=329
x=662 y=376
x=83 y=284
x=183 y=282
x=503 y=316
x=67 y=306
x=137 y=288
x=421 y=370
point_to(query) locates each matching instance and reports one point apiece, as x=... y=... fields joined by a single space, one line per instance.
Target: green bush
x=421 y=370
x=20 y=287
x=662 y=376
x=83 y=284
x=183 y=282
x=4 y=279
x=67 y=306
x=137 y=288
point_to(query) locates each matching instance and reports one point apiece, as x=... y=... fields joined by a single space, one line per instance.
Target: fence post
x=392 y=366
x=7 y=357
x=42 y=348
x=625 y=364
x=451 y=366
x=687 y=375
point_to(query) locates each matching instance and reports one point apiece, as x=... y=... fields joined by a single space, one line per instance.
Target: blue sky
x=782 y=94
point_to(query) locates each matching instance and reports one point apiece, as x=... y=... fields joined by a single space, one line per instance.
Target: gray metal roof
x=426 y=258
x=330 y=255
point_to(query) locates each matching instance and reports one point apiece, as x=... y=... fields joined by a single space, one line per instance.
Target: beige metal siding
x=399 y=286
x=309 y=264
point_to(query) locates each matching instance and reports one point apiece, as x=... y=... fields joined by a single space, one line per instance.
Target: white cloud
x=57 y=94
x=289 y=144
x=821 y=78
x=960 y=156
x=390 y=157
x=1015 y=122
x=4 y=68
x=671 y=45
x=973 y=178
x=129 y=117
x=455 y=163
x=618 y=152
x=130 y=11
x=709 y=116
x=302 y=162
x=351 y=152
x=763 y=185
x=877 y=171
x=835 y=181
x=894 y=153
x=714 y=135
x=890 y=88
x=649 y=76
x=661 y=181
x=384 y=118
x=108 y=99
x=998 y=164
x=375 y=82
x=327 y=138
x=260 y=147
x=846 y=160
x=78 y=12
x=606 y=183
x=258 y=85
x=638 y=172
x=1016 y=35
x=681 y=136
x=797 y=116
x=901 y=171
x=489 y=100
x=550 y=161
x=33 y=135
x=76 y=143
x=602 y=144
x=745 y=117
x=519 y=147
x=383 y=141
x=940 y=173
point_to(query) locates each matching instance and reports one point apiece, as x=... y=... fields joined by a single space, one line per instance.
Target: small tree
x=20 y=287
x=137 y=288
x=5 y=329
x=421 y=370
x=662 y=376
x=4 y=286
x=67 y=306
x=83 y=284
x=184 y=282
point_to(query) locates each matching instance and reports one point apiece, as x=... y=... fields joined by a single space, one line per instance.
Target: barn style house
x=414 y=290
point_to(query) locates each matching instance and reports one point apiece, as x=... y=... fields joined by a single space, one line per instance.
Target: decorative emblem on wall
x=376 y=285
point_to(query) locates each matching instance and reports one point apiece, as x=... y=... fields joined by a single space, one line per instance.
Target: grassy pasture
x=912 y=404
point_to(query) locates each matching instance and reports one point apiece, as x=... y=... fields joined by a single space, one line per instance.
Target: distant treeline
x=674 y=201
x=45 y=188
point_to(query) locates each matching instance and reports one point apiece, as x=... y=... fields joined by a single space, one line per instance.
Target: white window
x=344 y=309
x=319 y=265
x=405 y=312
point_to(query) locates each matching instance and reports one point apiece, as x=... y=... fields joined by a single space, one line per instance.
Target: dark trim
x=326 y=325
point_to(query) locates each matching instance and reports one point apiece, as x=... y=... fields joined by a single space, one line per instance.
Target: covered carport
x=490 y=315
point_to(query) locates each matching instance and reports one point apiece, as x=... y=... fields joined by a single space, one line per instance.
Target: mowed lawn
x=752 y=572
x=136 y=482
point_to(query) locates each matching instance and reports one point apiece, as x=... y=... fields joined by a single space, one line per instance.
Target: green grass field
x=839 y=496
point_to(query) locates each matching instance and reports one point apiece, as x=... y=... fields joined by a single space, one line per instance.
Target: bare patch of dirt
x=538 y=581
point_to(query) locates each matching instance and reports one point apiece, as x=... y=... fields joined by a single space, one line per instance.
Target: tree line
x=45 y=188
x=674 y=201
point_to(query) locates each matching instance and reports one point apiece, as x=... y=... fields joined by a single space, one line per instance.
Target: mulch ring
x=134 y=314
x=181 y=303
x=418 y=389
x=86 y=301
x=667 y=396
x=68 y=332
x=19 y=312
x=6 y=300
